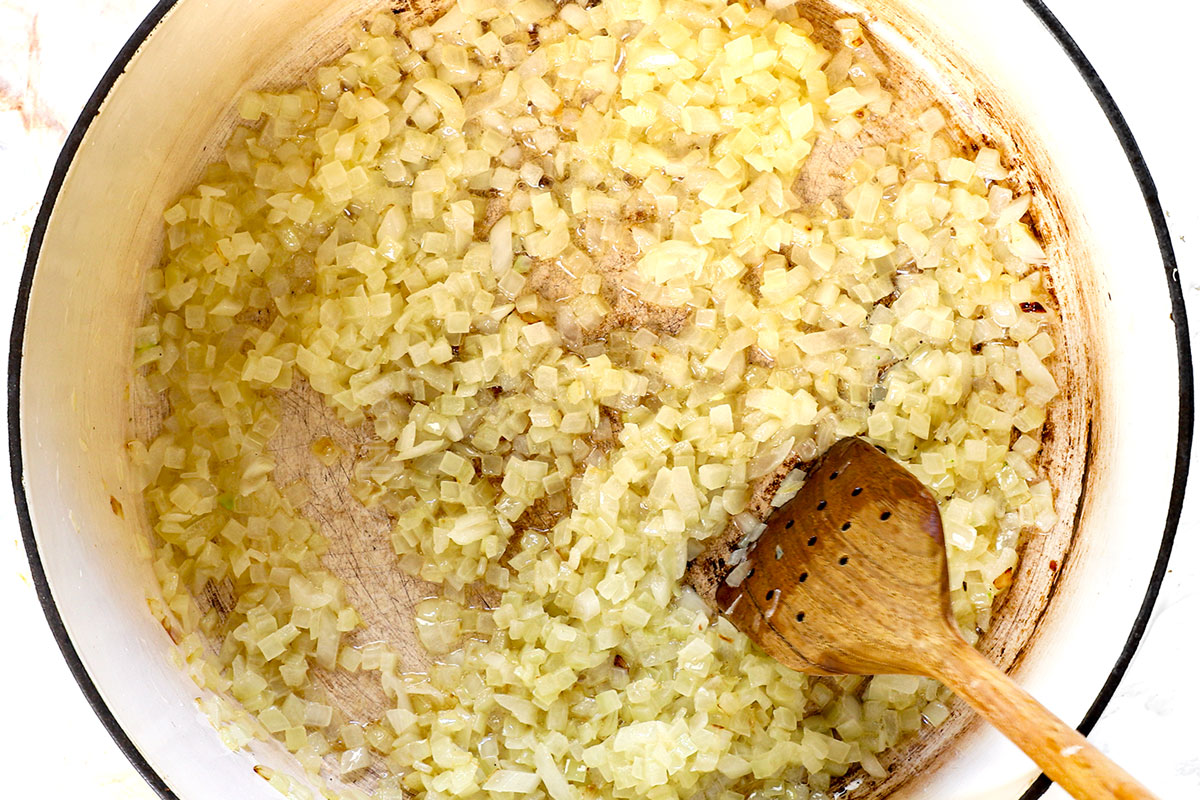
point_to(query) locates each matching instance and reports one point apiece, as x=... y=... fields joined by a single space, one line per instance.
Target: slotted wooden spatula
x=849 y=578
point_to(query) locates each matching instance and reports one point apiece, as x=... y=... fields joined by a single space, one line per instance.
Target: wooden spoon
x=849 y=578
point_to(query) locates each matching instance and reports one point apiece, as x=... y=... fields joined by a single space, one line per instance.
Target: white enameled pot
x=1117 y=452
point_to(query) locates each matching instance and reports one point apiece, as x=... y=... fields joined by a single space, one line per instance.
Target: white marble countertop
x=53 y=52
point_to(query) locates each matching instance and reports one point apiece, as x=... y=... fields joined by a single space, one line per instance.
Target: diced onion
x=525 y=294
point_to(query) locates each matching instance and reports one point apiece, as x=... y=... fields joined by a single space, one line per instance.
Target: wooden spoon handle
x=1062 y=752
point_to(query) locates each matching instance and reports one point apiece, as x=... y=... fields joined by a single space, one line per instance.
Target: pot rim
x=116 y=69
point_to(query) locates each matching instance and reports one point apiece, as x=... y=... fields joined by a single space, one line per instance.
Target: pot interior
x=1076 y=591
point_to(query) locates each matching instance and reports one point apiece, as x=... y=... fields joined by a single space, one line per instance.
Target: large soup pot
x=1117 y=441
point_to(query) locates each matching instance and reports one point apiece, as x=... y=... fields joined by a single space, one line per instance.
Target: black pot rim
x=92 y=107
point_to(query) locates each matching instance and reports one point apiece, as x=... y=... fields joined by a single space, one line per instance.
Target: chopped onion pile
x=550 y=259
